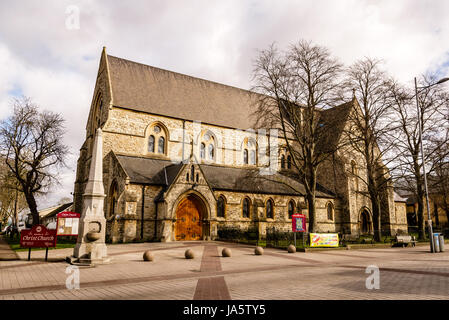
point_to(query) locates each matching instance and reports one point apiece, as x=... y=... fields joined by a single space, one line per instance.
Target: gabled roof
x=163 y=172
x=332 y=122
x=149 y=89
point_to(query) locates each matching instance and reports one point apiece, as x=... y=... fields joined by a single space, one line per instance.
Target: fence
x=413 y=230
x=250 y=235
x=276 y=238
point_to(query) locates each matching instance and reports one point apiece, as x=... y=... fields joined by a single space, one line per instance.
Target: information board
x=67 y=224
x=299 y=222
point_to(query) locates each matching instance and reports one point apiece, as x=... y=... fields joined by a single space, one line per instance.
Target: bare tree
x=368 y=129
x=12 y=202
x=439 y=181
x=433 y=106
x=294 y=85
x=32 y=148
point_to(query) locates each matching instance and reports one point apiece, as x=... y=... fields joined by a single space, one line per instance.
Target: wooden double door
x=189 y=216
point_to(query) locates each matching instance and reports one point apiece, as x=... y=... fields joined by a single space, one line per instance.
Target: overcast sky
x=44 y=56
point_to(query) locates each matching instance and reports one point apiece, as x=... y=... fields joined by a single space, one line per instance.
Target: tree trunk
x=312 y=212
x=310 y=195
x=377 y=226
x=33 y=207
x=373 y=190
x=420 y=213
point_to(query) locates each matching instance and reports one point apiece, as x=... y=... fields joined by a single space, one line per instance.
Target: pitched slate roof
x=149 y=171
x=163 y=172
x=149 y=89
x=145 y=88
x=251 y=180
x=332 y=123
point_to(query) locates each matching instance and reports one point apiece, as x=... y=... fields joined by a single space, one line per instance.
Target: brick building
x=182 y=159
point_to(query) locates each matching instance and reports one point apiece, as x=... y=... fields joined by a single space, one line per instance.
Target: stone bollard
x=258 y=251
x=291 y=249
x=226 y=252
x=189 y=254
x=148 y=256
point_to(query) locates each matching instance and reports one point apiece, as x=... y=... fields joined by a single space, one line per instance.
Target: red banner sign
x=38 y=237
x=299 y=223
x=68 y=214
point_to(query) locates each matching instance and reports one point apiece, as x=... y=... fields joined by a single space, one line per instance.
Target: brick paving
x=405 y=273
x=6 y=253
x=211 y=288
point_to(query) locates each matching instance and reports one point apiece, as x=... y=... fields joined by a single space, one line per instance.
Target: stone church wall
x=126 y=131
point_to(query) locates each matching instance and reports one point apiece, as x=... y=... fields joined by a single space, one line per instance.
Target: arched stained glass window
x=245 y=156
x=246 y=208
x=203 y=151
x=157 y=139
x=252 y=157
x=113 y=196
x=161 y=145
x=330 y=211
x=269 y=209
x=151 y=143
x=283 y=162
x=249 y=148
x=291 y=208
x=221 y=203
x=211 y=151
x=289 y=162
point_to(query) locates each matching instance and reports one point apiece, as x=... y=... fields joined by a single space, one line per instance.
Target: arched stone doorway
x=365 y=222
x=189 y=218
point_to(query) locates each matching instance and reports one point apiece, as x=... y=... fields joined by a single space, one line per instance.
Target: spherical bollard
x=226 y=252
x=291 y=249
x=189 y=254
x=258 y=251
x=148 y=256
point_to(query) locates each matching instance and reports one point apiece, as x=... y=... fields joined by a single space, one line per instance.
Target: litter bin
x=441 y=242
x=436 y=242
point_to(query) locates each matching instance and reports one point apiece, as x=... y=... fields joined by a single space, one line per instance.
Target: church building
x=182 y=158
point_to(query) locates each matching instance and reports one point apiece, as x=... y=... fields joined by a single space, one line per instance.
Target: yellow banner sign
x=324 y=240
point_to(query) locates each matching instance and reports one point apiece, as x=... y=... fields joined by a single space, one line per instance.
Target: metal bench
x=404 y=240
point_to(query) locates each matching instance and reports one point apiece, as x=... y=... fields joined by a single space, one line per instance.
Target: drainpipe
x=143 y=210
x=155 y=222
x=183 y=137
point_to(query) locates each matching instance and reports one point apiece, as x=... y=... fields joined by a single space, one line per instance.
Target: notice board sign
x=299 y=222
x=68 y=223
x=38 y=237
x=324 y=239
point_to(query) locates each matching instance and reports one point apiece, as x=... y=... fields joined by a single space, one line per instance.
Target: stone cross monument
x=90 y=247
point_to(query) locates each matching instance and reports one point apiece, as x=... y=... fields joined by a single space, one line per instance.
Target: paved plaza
x=405 y=273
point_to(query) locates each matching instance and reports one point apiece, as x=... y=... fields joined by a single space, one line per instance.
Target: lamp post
x=429 y=221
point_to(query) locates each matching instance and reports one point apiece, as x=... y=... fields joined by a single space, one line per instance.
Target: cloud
x=211 y=39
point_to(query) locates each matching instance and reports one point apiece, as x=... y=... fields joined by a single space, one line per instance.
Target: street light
x=432 y=245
